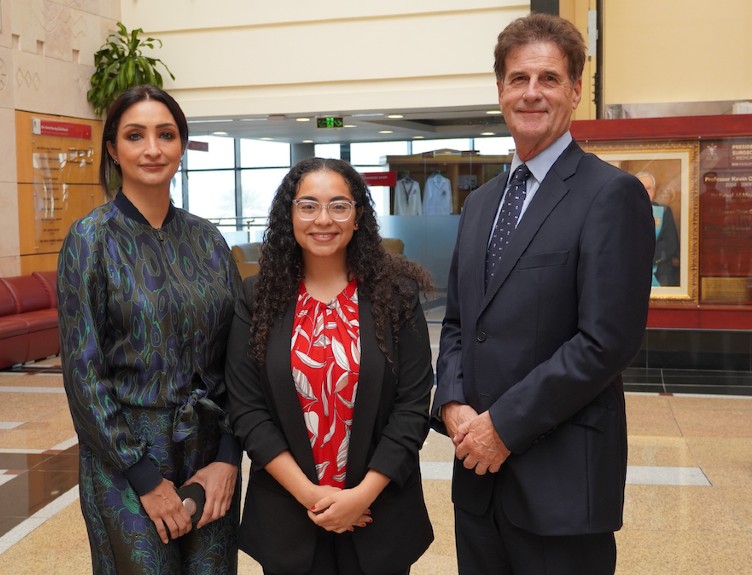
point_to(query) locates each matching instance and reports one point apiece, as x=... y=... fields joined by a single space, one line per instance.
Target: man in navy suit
x=538 y=331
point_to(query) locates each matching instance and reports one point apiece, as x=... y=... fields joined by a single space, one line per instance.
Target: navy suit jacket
x=543 y=348
x=390 y=424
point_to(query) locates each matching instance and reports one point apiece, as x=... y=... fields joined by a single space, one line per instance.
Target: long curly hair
x=380 y=275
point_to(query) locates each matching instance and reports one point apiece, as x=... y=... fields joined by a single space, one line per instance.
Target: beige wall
x=236 y=57
x=677 y=51
x=259 y=57
x=46 y=55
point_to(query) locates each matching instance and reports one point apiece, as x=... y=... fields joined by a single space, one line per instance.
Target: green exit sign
x=330 y=122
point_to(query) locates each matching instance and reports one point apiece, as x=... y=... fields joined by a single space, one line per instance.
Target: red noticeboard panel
x=44 y=127
x=380 y=178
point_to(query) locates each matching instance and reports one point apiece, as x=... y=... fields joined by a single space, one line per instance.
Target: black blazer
x=390 y=424
x=543 y=348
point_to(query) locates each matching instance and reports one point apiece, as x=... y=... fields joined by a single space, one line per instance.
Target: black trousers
x=490 y=545
x=335 y=555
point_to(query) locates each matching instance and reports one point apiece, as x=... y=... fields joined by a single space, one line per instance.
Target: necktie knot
x=508 y=217
x=521 y=174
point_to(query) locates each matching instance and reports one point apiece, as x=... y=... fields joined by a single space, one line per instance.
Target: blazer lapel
x=370 y=381
x=285 y=396
x=551 y=191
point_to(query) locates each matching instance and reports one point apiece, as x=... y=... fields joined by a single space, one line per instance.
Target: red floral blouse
x=325 y=359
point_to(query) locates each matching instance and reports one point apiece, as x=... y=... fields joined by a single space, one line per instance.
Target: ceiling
x=359 y=126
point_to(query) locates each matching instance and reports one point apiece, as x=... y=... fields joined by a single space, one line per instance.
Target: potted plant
x=120 y=64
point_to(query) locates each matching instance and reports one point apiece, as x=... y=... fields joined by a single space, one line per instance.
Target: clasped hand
x=475 y=440
x=339 y=510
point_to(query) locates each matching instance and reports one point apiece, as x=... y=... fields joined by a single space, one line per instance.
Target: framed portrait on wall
x=669 y=171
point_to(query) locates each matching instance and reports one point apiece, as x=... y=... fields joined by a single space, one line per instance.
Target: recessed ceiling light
x=386 y=132
x=418 y=137
x=267 y=139
x=488 y=133
x=307 y=142
x=302 y=119
x=349 y=126
x=493 y=112
x=212 y=121
x=395 y=116
x=219 y=133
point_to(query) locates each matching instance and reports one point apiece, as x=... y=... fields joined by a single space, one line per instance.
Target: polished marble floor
x=688 y=500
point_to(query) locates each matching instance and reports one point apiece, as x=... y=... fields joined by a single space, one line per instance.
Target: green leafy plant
x=120 y=64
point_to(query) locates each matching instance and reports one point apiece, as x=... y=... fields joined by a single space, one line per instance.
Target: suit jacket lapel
x=551 y=191
x=284 y=393
x=372 y=365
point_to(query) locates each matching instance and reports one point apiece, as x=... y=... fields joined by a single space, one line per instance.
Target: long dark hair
x=109 y=172
x=380 y=275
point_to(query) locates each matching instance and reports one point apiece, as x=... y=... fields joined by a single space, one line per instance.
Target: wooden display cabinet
x=465 y=170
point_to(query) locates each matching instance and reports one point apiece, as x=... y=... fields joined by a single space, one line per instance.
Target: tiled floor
x=688 y=499
x=688 y=381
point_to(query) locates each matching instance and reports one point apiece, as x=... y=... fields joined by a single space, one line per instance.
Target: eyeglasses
x=339 y=211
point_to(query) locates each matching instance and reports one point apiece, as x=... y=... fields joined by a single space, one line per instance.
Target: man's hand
x=218 y=480
x=164 y=508
x=454 y=414
x=480 y=447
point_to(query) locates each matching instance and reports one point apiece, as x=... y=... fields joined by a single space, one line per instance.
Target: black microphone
x=193 y=498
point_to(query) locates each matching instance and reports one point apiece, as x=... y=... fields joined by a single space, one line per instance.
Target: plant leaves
x=120 y=64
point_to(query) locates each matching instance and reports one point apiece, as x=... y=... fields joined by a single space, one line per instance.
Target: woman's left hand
x=218 y=480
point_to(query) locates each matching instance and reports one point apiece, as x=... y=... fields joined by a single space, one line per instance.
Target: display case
x=455 y=172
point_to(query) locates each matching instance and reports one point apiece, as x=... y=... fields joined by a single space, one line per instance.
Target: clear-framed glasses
x=339 y=210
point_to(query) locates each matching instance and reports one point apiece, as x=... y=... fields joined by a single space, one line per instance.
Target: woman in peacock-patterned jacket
x=146 y=294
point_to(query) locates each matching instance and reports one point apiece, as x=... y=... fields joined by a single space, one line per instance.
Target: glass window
x=379 y=194
x=420 y=146
x=495 y=146
x=221 y=154
x=262 y=154
x=211 y=194
x=258 y=188
x=176 y=189
x=374 y=153
x=332 y=151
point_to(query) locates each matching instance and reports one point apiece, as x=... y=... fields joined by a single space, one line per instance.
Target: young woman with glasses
x=329 y=373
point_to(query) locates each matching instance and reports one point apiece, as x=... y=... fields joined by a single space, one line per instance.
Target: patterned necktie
x=507 y=222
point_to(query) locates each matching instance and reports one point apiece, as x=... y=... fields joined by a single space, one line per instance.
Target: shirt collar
x=540 y=164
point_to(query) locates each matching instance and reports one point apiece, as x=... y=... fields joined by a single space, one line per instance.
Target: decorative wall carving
x=3 y=75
